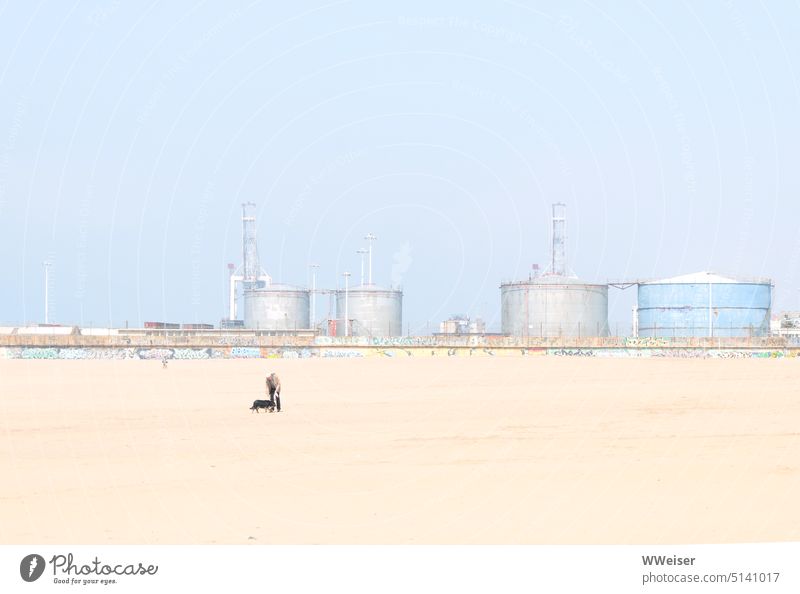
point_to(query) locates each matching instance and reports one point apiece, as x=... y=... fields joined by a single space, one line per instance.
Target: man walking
x=274 y=390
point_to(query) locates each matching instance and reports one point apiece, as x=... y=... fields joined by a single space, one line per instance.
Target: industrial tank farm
x=267 y=306
x=277 y=307
x=554 y=306
x=551 y=305
x=372 y=311
x=704 y=304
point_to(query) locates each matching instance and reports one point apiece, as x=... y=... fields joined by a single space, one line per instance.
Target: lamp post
x=313 y=268
x=370 y=238
x=346 y=276
x=47 y=264
x=362 y=252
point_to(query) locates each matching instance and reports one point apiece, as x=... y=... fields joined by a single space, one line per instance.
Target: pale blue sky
x=131 y=132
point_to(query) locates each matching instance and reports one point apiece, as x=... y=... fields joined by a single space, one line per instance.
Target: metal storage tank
x=372 y=311
x=277 y=307
x=704 y=304
x=554 y=305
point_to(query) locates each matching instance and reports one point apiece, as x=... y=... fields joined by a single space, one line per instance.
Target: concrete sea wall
x=347 y=350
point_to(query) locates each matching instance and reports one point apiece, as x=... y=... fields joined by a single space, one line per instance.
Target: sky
x=132 y=132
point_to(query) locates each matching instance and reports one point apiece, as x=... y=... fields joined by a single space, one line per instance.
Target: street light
x=47 y=264
x=370 y=238
x=313 y=268
x=362 y=252
x=346 y=276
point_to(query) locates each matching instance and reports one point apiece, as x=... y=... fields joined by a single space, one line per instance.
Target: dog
x=267 y=404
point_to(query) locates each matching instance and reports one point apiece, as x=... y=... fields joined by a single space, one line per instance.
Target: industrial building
x=785 y=324
x=363 y=310
x=556 y=303
x=703 y=304
x=370 y=310
x=462 y=325
x=554 y=306
x=367 y=309
x=277 y=307
x=268 y=306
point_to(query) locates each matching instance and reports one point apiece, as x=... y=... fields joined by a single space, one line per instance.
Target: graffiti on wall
x=572 y=352
x=101 y=353
x=744 y=354
x=155 y=353
x=403 y=341
x=646 y=341
x=191 y=354
x=245 y=353
x=286 y=353
x=392 y=352
x=341 y=353
x=97 y=353
x=675 y=353
x=340 y=341
x=294 y=352
x=626 y=353
x=40 y=353
x=376 y=341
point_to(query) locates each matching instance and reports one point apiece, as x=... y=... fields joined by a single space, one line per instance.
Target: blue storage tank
x=704 y=304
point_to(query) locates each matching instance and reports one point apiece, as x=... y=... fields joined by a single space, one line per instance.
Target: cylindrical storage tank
x=552 y=306
x=277 y=307
x=704 y=304
x=372 y=311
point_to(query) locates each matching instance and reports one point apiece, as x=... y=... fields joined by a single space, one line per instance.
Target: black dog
x=267 y=404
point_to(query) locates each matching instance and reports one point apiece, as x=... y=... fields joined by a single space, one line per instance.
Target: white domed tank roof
x=706 y=277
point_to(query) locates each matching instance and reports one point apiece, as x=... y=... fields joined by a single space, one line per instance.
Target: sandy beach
x=488 y=450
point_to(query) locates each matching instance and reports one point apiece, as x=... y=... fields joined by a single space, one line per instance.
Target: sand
x=486 y=450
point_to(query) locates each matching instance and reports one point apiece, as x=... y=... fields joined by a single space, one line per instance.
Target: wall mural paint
x=401 y=341
x=155 y=353
x=286 y=353
x=572 y=352
x=245 y=353
x=293 y=352
x=101 y=353
x=341 y=353
x=646 y=341
x=97 y=353
x=677 y=353
x=40 y=353
x=191 y=354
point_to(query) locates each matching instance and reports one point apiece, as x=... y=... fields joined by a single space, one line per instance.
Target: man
x=274 y=390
